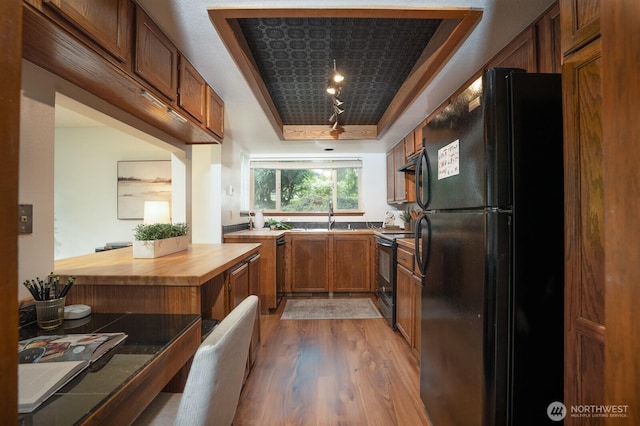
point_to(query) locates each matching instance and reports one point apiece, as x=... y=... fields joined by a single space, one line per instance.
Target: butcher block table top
x=191 y=267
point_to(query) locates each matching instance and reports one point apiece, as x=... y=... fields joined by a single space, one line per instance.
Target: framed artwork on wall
x=140 y=181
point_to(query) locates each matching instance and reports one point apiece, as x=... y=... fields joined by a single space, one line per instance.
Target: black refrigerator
x=490 y=244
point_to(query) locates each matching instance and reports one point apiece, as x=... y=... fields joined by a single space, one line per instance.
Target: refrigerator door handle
x=422 y=259
x=419 y=187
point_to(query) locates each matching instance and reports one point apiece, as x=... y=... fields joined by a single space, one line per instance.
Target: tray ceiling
x=387 y=57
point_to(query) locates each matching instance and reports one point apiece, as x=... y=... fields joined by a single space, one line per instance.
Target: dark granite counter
x=128 y=371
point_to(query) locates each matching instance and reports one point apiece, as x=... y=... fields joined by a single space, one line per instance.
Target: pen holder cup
x=50 y=313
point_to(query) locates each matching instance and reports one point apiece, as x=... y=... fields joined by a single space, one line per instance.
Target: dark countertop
x=147 y=336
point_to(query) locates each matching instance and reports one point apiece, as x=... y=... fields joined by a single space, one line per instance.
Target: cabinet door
x=404 y=303
x=391 y=179
x=105 y=21
x=352 y=265
x=520 y=53
x=398 y=160
x=417 y=315
x=310 y=256
x=238 y=285
x=156 y=57
x=215 y=113
x=254 y=288
x=192 y=91
x=409 y=145
x=584 y=228
x=580 y=23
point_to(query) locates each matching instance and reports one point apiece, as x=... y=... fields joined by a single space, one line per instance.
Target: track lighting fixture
x=334 y=89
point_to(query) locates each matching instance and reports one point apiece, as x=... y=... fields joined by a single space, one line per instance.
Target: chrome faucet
x=331 y=219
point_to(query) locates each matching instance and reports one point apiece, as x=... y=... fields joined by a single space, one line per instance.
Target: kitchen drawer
x=405 y=258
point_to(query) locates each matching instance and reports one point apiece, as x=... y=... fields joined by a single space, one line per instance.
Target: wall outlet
x=25 y=219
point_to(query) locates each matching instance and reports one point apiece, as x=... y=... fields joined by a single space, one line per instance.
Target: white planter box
x=157 y=248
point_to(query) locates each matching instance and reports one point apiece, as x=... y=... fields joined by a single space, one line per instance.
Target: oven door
x=385 y=279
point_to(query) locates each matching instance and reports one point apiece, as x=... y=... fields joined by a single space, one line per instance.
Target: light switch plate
x=25 y=219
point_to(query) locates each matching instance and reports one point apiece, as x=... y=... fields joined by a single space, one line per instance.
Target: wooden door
x=391 y=179
x=156 y=58
x=310 y=256
x=193 y=90
x=580 y=23
x=105 y=22
x=398 y=160
x=238 y=285
x=215 y=113
x=404 y=303
x=11 y=48
x=584 y=229
x=254 y=288
x=352 y=263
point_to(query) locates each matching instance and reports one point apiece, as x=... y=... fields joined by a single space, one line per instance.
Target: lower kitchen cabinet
x=352 y=265
x=408 y=296
x=244 y=280
x=404 y=303
x=310 y=261
x=327 y=262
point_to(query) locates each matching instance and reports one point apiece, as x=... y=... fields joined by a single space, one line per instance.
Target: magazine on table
x=46 y=363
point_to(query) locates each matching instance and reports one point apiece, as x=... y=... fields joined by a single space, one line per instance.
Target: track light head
x=338 y=102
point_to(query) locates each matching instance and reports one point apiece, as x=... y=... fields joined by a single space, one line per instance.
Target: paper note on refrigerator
x=449 y=160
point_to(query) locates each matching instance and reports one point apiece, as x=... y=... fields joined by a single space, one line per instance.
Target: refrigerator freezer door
x=468 y=146
x=464 y=292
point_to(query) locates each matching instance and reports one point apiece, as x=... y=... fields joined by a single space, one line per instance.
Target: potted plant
x=277 y=224
x=159 y=239
x=409 y=217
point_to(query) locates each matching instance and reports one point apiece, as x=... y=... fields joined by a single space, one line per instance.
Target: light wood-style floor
x=331 y=372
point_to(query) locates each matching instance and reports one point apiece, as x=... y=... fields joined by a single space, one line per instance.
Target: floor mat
x=296 y=309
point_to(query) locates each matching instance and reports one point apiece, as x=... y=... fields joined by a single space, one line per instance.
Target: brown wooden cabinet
x=584 y=220
x=192 y=90
x=268 y=266
x=352 y=266
x=156 y=57
x=310 y=263
x=408 y=296
x=404 y=302
x=391 y=179
x=549 y=50
x=106 y=22
x=326 y=262
x=580 y=23
x=215 y=113
x=400 y=185
x=244 y=280
x=520 y=53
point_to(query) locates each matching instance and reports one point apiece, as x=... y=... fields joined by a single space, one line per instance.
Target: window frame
x=306 y=164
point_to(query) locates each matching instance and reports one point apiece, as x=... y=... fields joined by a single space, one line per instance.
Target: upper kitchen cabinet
x=520 y=53
x=104 y=22
x=156 y=57
x=580 y=22
x=215 y=113
x=400 y=185
x=193 y=90
x=536 y=49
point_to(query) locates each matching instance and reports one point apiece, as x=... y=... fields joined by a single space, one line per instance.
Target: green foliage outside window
x=306 y=190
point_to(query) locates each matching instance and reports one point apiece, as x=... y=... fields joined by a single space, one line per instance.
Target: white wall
x=85 y=173
x=374 y=186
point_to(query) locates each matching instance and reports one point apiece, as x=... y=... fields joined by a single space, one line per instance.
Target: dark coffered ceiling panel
x=295 y=59
x=387 y=56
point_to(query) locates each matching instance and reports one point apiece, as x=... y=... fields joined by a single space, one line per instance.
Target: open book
x=48 y=362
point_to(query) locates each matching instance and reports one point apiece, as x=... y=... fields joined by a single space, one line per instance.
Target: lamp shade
x=156 y=212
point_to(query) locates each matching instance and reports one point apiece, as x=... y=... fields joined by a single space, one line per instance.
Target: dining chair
x=215 y=379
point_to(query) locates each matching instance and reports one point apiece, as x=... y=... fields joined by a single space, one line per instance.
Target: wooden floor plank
x=331 y=372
